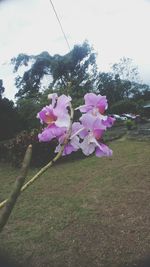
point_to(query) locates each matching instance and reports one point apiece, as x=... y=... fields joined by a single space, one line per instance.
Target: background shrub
x=12 y=151
x=129 y=124
x=125 y=106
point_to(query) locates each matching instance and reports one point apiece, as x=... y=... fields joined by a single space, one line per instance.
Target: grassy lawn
x=90 y=213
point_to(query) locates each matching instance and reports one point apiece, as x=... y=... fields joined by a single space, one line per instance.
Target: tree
x=28 y=109
x=2 y=89
x=21 y=60
x=126 y=69
x=146 y=94
x=120 y=84
x=75 y=71
x=112 y=86
x=128 y=73
x=9 y=118
x=124 y=106
x=29 y=84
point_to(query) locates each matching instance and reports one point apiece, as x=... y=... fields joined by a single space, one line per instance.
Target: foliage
x=75 y=73
x=124 y=106
x=21 y=60
x=2 y=89
x=28 y=108
x=10 y=119
x=77 y=67
x=126 y=69
x=129 y=124
x=29 y=83
x=13 y=150
x=113 y=87
x=105 y=86
x=76 y=70
x=9 y=116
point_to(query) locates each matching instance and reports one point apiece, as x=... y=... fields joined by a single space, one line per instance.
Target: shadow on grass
x=144 y=262
x=7 y=261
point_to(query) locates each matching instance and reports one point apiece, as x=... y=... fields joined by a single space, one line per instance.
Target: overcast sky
x=115 y=28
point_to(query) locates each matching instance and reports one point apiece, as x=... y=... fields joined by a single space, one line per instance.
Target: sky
x=115 y=28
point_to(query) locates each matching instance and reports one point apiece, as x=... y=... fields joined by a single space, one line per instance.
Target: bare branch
x=16 y=190
x=37 y=175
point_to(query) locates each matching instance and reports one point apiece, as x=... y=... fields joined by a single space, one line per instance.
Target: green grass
x=90 y=212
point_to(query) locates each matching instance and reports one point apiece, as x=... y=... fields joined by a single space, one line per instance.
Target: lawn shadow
x=7 y=261
x=144 y=262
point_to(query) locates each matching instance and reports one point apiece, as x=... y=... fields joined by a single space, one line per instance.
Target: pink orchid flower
x=109 y=121
x=86 y=134
x=56 y=113
x=94 y=130
x=73 y=144
x=56 y=117
x=94 y=104
x=50 y=132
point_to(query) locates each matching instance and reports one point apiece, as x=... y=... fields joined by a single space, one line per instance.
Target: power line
x=60 y=24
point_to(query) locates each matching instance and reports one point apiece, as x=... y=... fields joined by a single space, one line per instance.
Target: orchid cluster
x=85 y=134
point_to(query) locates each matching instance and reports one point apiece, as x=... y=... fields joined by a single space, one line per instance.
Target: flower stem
x=16 y=189
x=36 y=176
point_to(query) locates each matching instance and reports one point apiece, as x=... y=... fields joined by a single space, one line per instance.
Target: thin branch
x=36 y=176
x=16 y=190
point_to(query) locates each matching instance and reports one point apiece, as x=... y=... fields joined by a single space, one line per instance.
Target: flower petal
x=75 y=142
x=46 y=115
x=54 y=98
x=109 y=121
x=84 y=108
x=63 y=102
x=91 y=99
x=103 y=151
x=51 y=132
x=63 y=120
x=87 y=148
x=87 y=121
x=102 y=104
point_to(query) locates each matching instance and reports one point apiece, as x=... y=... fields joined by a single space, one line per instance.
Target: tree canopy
x=9 y=116
x=74 y=73
x=78 y=67
x=126 y=69
x=2 y=89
